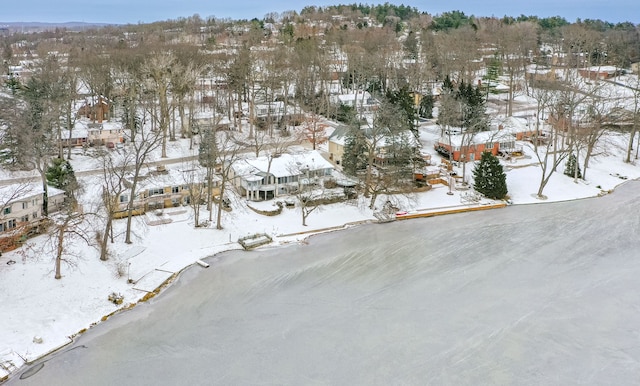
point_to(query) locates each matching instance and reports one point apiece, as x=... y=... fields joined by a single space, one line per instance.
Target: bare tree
x=229 y=153
x=146 y=142
x=184 y=78
x=194 y=178
x=551 y=152
x=516 y=43
x=113 y=186
x=157 y=70
x=68 y=228
x=633 y=116
x=314 y=129
x=309 y=193
x=600 y=114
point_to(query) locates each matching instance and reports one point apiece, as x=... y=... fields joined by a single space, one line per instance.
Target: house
x=265 y=178
x=382 y=146
x=512 y=129
x=164 y=188
x=97 y=110
x=468 y=147
x=600 y=72
x=21 y=212
x=204 y=122
x=78 y=136
x=101 y=133
x=336 y=145
x=266 y=110
x=361 y=101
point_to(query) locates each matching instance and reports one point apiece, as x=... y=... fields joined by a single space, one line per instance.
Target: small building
x=21 y=212
x=384 y=146
x=273 y=111
x=164 y=188
x=77 y=137
x=336 y=145
x=600 y=72
x=204 y=122
x=102 y=133
x=513 y=129
x=265 y=178
x=97 y=110
x=468 y=147
x=361 y=101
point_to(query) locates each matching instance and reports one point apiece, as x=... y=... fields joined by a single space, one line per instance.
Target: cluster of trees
x=382 y=154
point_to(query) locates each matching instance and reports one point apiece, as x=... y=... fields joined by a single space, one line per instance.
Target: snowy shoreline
x=56 y=313
x=279 y=241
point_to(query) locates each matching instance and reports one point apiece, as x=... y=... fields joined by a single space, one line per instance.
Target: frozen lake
x=528 y=295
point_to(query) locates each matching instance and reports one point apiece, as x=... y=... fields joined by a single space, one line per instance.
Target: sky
x=144 y=11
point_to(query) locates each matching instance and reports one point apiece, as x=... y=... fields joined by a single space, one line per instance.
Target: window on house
x=124 y=198
x=25 y=205
x=156 y=191
x=34 y=215
x=7 y=210
x=489 y=145
x=175 y=189
x=24 y=218
x=11 y=224
x=3 y=226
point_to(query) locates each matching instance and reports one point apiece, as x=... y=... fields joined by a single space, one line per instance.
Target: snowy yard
x=41 y=314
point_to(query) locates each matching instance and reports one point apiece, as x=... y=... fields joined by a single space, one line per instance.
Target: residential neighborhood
x=118 y=144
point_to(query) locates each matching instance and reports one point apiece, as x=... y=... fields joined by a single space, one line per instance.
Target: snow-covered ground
x=41 y=314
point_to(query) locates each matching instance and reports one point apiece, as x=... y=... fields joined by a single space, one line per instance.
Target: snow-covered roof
x=478 y=138
x=173 y=176
x=512 y=125
x=282 y=166
x=339 y=135
x=20 y=192
x=600 y=69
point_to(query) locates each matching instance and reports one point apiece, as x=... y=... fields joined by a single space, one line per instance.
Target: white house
x=265 y=178
x=273 y=110
x=21 y=211
x=361 y=101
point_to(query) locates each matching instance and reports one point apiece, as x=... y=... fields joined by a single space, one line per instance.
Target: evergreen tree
x=60 y=175
x=570 y=167
x=447 y=84
x=426 y=106
x=208 y=150
x=345 y=114
x=467 y=110
x=405 y=102
x=354 y=158
x=490 y=179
